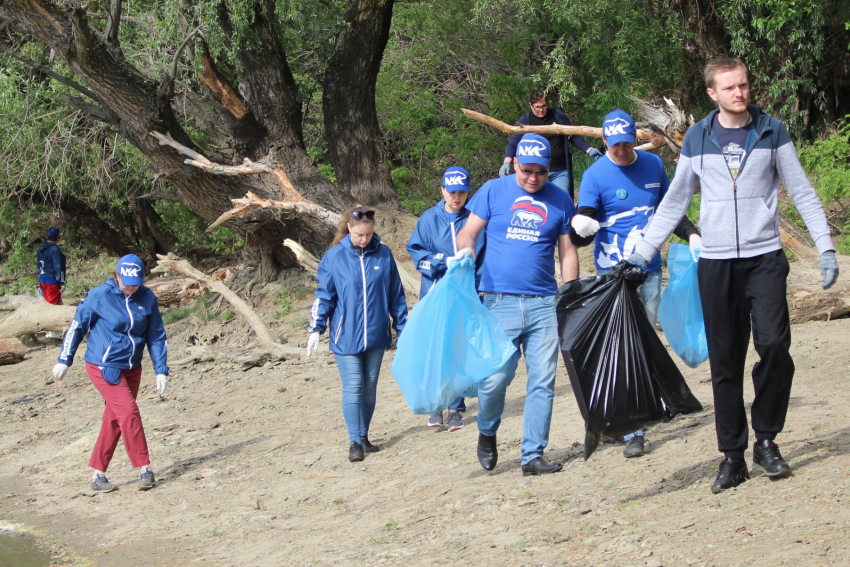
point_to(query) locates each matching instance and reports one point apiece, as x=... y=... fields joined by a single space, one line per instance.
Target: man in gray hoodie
x=739 y=154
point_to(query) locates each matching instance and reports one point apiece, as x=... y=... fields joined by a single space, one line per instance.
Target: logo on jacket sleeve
x=529 y=215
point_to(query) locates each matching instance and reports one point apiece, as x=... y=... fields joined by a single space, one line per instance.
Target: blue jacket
x=435 y=239
x=358 y=292
x=119 y=327
x=50 y=264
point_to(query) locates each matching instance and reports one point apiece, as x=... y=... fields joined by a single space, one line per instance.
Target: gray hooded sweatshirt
x=738 y=217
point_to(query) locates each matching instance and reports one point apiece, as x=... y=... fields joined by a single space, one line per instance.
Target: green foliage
x=200 y=308
x=285 y=307
x=190 y=229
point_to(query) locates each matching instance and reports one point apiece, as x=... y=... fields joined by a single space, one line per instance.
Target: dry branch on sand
x=266 y=342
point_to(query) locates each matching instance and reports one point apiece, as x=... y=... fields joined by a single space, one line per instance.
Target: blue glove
x=828 y=269
x=594 y=153
x=505 y=169
x=633 y=269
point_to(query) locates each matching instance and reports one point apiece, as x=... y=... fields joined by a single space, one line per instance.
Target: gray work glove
x=505 y=169
x=594 y=153
x=828 y=269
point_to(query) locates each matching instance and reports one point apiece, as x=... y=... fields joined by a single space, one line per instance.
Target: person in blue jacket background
x=50 y=267
x=121 y=316
x=433 y=241
x=359 y=290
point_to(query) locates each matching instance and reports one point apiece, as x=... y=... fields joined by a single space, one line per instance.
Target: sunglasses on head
x=538 y=172
x=360 y=215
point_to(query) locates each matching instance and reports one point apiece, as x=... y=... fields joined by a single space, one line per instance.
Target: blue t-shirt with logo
x=625 y=198
x=522 y=233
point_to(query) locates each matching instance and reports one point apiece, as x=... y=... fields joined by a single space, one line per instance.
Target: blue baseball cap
x=53 y=233
x=456 y=179
x=131 y=269
x=533 y=148
x=618 y=126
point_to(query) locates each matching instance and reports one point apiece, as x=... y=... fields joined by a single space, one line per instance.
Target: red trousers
x=52 y=293
x=121 y=419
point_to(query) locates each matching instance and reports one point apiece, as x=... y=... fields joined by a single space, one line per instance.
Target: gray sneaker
x=100 y=484
x=146 y=480
x=455 y=421
x=436 y=419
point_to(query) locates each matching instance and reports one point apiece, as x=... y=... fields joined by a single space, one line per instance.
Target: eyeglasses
x=543 y=106
x=360 y=215
x=537 y=172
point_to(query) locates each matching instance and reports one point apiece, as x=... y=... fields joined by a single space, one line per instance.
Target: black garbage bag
x=621 y=374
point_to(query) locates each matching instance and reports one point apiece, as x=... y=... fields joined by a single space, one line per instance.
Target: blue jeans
x=359 y=373
x=531 y=324
x=458 y=405
x=650 y=295
x=561 y=178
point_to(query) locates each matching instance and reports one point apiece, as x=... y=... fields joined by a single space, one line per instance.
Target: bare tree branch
x=50 y=73
x=93 y=110
x=113 y=22
x=166 y=89
x=130 y=20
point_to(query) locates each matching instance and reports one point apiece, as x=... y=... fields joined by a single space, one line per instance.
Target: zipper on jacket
x=338 y=329
x=735 y=198
x=129 y=335
x=365 y=309
x=454 y=237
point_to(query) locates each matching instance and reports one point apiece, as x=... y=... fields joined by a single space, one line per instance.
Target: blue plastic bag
x=680 y=310
x=449 y=344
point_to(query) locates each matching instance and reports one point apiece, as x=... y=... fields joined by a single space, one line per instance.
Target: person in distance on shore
x=739 y=154
x=120 y=316
x=50 y=267
x=359 y=290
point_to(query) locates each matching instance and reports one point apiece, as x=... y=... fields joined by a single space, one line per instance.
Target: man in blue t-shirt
x=617 y=200
x=524 y=218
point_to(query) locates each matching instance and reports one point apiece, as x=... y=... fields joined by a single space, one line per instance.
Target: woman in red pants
x=121 y=316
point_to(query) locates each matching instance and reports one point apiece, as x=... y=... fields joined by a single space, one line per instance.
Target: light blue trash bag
x=680 y=310
x=449 y=344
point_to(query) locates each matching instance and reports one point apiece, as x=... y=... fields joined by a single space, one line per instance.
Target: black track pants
x=734 y=292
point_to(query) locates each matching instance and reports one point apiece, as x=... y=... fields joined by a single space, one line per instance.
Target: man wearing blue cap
x=561 y=161
x=618 y=197
x=433 y=241
x=524 y=218
x=50 y=267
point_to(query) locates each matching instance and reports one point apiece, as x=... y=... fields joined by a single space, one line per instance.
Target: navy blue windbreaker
x=50 y=264
x=119 y=327
x=435 y=239
x=358 y=292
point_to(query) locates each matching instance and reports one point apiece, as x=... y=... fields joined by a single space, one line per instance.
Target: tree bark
x=37 y=318
x=352 y=131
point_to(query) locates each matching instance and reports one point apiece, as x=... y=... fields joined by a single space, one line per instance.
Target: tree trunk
x=351 y=120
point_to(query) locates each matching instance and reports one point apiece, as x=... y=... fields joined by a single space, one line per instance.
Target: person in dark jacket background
x=561 y=165
x=359 y=290
x=433 y=241
x=50 y=267
x=121 y=316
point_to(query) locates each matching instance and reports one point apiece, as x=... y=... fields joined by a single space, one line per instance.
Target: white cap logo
x=130 y=270
x=456 y=179
x=530 y=148
x=616 y=127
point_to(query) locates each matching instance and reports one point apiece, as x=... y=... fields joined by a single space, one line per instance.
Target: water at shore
x=19 y=550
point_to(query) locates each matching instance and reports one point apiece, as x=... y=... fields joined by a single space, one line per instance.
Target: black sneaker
x=732 y=472
x=368 y=447
x=436 y=419
x=635 y=447
x=767 y=458
x=455 y=421
x=355 y=452
x=146 y=480
x=100 y=484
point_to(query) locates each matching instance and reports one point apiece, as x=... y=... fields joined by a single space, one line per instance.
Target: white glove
x=161 y=383
x=59 y=371
x=585 y=226
x=62 y=288
x=312 y=343
x=695 y=242
x=461 y=254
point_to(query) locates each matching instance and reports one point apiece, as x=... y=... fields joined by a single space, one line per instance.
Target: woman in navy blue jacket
x=359 y=290
x=433 y=241
x=120 y=316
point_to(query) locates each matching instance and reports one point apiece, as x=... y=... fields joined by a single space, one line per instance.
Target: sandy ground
x=252 y=470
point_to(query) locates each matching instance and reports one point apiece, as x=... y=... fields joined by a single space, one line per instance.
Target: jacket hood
x=441 y=210
x=45 y=245
x=371 y=247
x=761 y=119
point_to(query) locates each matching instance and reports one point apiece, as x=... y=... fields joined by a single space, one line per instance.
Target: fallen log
x=172 y=263
x=12 y=351
x=176 y=291
x=37 y=318
x=12 y=302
